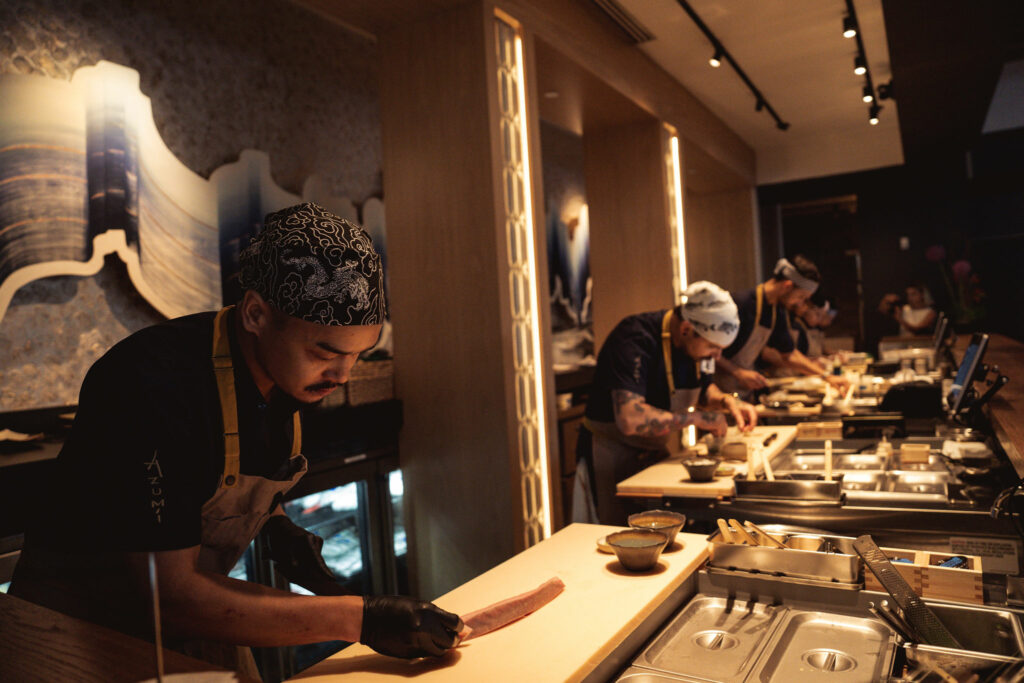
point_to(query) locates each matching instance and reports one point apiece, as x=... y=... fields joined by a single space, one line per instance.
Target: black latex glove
x=296 y=554
x=398 y=626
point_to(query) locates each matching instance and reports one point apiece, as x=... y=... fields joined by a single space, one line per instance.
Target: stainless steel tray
x=795 y=490
x=815 y=646
x=820 y=558
x=712 y=639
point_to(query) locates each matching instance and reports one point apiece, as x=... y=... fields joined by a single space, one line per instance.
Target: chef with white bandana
x=764 y=322
x=653 y=378
x=187 y=437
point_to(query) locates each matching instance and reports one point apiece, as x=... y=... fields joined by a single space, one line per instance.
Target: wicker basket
x=371 y=381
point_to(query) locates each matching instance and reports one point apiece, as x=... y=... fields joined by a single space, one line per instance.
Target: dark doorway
x=825 y=231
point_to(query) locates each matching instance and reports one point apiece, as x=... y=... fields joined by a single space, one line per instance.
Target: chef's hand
x=398 y=626
x=839 y=382
x=744 y=413
x=751 y=379
x=708 y=421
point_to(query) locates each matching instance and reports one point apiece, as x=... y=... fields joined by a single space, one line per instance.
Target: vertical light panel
x=674 y=183
x=522 y=273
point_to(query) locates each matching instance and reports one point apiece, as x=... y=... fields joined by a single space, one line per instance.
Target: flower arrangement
x=963 y=285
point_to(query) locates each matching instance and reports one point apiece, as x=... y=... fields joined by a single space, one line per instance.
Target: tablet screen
x=965 y=373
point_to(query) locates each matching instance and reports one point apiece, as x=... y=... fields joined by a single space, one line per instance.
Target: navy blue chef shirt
x=146 y=450
x=746 y=303
x=632 y=359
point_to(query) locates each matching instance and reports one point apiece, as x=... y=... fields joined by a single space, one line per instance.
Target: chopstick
x=828 y=459
x=768 y=474
x=764 y=534
x=726 y=532
x=741 y=531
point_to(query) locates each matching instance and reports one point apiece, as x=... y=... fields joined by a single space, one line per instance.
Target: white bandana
x=789 y=271
x=711 y=311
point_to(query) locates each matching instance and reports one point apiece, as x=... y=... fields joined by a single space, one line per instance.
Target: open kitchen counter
x=588 y=632
x=1007 y=406
x=669 y=477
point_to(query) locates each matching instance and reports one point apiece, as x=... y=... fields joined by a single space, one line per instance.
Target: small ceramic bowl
x=701 y=469
x=665 y=521
x=638 y=549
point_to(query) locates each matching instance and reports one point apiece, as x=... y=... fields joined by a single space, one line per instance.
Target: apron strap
x=666 y=348
x=224 y=372
x=760 y=303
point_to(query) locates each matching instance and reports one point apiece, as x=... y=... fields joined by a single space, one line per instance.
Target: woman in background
x=917 y=316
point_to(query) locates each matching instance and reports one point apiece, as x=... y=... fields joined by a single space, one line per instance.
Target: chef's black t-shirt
x=146 y=450
x=632 y=359
x=746 y=304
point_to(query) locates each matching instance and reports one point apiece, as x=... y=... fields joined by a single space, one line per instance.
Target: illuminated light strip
x=531 y=426
x=677 y=208
x=531 y=262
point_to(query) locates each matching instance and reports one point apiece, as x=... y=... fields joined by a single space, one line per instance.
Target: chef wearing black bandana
x=187 y=435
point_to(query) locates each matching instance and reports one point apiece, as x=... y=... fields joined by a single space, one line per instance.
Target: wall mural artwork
x=84 y=173
x=568 y=240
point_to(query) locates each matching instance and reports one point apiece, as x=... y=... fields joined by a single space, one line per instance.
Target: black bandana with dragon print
x=316 y=266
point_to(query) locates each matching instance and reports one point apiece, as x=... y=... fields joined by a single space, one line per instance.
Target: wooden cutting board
x=602 y=605
x=670 y=478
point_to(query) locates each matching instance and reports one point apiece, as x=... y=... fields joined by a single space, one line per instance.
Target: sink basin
x=816 y=646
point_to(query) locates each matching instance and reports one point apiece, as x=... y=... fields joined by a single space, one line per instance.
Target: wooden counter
x=1006 y=409
x=39 y=644
x=670 y=478
x=601 y=618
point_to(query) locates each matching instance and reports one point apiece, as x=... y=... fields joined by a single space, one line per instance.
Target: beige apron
x=616 y=456
x=232 y=517
x=242 y=503
x=751 y=349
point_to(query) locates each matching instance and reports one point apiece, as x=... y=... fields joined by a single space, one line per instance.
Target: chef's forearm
x=726 y=364
x=200 y=604
x=225 y=609
x=635 y=417
x=803 y=364
x=716 y=399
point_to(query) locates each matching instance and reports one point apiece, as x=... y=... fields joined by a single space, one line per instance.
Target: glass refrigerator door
x=338 y=516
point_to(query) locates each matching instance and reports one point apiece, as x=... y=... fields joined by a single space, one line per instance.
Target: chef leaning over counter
x=651 y=371
x=187 y=437
x=764 y=322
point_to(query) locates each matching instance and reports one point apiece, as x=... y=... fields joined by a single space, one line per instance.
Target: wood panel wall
x=447 y=296
x=630 y=242
x=719 y=237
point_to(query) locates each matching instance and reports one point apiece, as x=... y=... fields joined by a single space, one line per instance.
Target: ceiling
x=943 y=57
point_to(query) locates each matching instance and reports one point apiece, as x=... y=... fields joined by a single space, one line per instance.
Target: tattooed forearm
x=634 y=416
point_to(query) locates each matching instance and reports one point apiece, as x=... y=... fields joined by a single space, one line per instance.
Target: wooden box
x=930 y=581
x=962 y=584
x=371 y=381
x=911 y=453
x=819 y=430
x=910 y=571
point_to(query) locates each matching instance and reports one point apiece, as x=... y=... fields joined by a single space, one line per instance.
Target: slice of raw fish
x=506 y=611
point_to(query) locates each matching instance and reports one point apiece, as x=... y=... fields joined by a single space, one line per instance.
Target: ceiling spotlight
x=885 y=90
x=759 y=106
x=782 y=125
x=859 y=67
x=849 y=28
x=868 y=95
x=873 y=115
x=716 y=60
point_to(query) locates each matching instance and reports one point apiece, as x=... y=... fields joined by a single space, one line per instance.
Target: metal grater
x=924 y=622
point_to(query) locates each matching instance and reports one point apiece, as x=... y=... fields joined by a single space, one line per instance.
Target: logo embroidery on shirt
x=156 y=488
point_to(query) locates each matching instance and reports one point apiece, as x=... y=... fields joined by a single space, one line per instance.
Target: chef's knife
x=926 y=625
